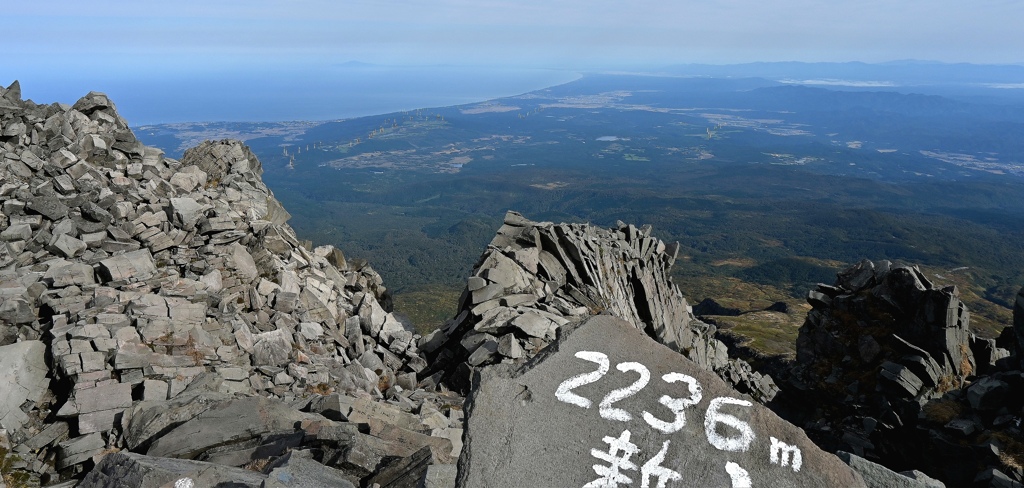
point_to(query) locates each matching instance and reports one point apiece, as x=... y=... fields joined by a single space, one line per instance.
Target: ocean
x=306 y=93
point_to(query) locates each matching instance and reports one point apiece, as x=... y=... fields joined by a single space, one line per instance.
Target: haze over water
x=322 y=93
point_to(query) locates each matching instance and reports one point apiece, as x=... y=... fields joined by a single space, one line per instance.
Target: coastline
x=303 y=94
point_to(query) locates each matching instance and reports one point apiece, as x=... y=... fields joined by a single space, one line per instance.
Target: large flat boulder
x=22 y=378
x=130 y=470
x=609 y=406
x=230 y=422
x=137 y=265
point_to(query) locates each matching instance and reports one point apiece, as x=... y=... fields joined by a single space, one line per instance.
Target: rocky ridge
x=537 y=277
x=144 y=298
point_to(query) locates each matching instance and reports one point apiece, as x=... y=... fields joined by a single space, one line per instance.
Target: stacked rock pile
x=125 y=276
x=537 y=277
x=896 y=376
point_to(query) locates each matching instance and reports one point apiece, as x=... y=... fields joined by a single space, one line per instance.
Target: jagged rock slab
x=876 y=475
x=607 y=404
x=297 y=469
x=536 y=277
x=147 y=420
x=130 y=470
x=1018 y=325
x=233 y=421
x=409 y=472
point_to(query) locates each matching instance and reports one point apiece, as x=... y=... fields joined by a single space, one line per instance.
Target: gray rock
x=186 y=212
x=96 y=213
x=878 y=476
x=996 y=479
x=509 y=347
x=189 y=178
x=272 y=348
x=924 y=478
x=532 y=324
x=16 y=232
x=67 y=246
x=13 y=91
x=17 y=310
x=79 y=450
x=371 y=316
x=368 y=411
x=131 y=470
x=987 y=394
x=23 y=379
x=558 y=425
x=154 y=391
x=485 y=353
x=962 y=427
x=360 y=455
x=901 y=378
x=474 y=283
x=857 y=277
x=48 y=436
x=243 y=263
x=70 y=274
x=405 y=473
x=107 y=397
x=150 y=419
x=885 y=343
x=277 y=215
x=226 y=423
x=297 y=469
x=137 y=265
x=47 y=206
x=1018 y=324
x=440 y=476
x=311 y=330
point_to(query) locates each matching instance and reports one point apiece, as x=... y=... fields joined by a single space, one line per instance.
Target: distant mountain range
x=903 y=73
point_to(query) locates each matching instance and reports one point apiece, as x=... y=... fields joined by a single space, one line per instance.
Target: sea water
x=327 y=92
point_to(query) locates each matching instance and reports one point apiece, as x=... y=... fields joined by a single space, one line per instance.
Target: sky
x=69 y=42
x=190 y=34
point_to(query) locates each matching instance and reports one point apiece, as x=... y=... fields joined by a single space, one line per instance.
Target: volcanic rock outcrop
x=895 y=375
x=536 y=277
x=165 y=308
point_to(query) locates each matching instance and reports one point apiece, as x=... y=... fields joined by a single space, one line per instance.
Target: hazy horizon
x=355 y=88
x=569 y=34
x=140 y=52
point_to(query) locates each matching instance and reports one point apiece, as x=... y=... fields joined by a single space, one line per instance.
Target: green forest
x=778 y=187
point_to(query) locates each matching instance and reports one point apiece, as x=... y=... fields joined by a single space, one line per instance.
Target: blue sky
x=192 y=35
x=155 y=54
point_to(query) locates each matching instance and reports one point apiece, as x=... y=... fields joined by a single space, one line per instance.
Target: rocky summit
x=162 y=325
x=157 y=308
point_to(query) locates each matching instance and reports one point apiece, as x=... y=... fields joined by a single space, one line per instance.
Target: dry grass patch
x=942 y=411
